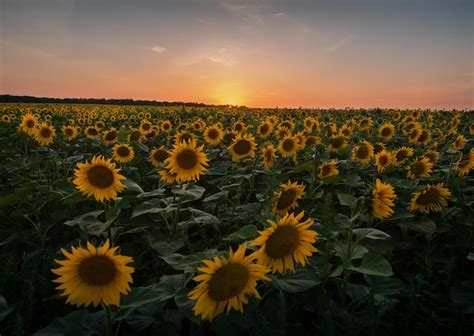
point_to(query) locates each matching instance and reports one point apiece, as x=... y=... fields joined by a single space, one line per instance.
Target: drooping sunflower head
x=383 y=196
x=28 y=123
x=187 y=161
x=425 y=137
x=402 y=154
x=225 y=283
x=287 y=198
x=386 y=131
x=135 y=135
x=383 y=160
x=311 y=140
x=93 y=275
x=99 y=179
x=432 y=198
x=418 y=168
x=268 y=155
x=158 y=156
x=328 y=169
x=465 y=164
x=460 y=142
x=285 y=243
x=432 y=155
x=414 y=134
x=242 y=146
x=110 y=136
x=123 y=153
x=44 y=134
x=336 y=143
x=288 y=146
x=213 y=134
x=363 y=152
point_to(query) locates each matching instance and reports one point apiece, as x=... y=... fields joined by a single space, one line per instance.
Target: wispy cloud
x=204 y=21
x=338 y=44
x=159 y=49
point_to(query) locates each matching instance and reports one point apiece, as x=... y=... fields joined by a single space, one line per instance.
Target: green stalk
x=252 y=180
x=109 y=323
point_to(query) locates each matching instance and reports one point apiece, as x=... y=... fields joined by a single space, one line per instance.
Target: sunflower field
x=128 y=220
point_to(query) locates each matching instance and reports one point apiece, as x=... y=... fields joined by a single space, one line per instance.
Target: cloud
x=158 y=49
x=340 y=43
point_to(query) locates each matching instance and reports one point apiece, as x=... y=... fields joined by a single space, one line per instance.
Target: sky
x=268 y=53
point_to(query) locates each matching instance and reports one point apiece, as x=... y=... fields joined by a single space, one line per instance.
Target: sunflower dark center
x=238 y=127
x=228 y=281
x=30 y=123
x=97 y=270
x=401 y=155
x=166 y=126
x=100 y=177
x=310 y=140
x=423 y=137
x=123 y=151
x=264 y=129
x=282 y=242
x=161 y=155
x=286 y=198
x=418 y=168
x=363 y=152
x=146 y=126
x=326 y=170
x=187 y=159
x=337 y=142
x=383 y=160
x=386 y=131
x=242 y=147
x=92 y=131
x=111 y=135
x=45 y=132
x=135 y=136
x=430 y=196
x=213 y=133
x=68 y=131
x=288 y=145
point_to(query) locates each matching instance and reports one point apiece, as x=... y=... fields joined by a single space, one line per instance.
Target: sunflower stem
x=252 y=180
x=174 y=227
x=109 y=323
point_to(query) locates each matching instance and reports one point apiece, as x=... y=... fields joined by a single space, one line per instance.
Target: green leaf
x=4 y=308
x=370 y=233
x=132 y=186
x=347 y=200
x=85 y=219
x=332 y=180
x=297 y=282
x=151 y=206
x=74 y=198
x=181 y=262
x=424 y=225
x=189 y=192
x=217 y=196
x=77 y=323
x=373 y=264
x=244 y=233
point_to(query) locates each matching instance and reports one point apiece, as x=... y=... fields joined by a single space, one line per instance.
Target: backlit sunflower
x=288 y=146
x=363 y=152
x=383 y=160
x=225 y=283
x=44 y=134
x=328 y=169
x=99 y=179
x=419 y=168
x=242 y=146
x=187 y=161
x=70 y=132
x=123 y=153
x=465 y=164
x=285 y=243
x=382 y=200
x=402 y=154
x=386 y=131
x=28 y=123
x=158 y=156
x=213 y=134
x=287 y=198
x=268 y=156
x=336 y=143
x=92 y=132
x=432 y=198
x=93 y=275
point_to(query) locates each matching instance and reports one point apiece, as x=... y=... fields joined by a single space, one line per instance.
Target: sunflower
x=402 y=154
x=288 y=146
x=213 y=134
x=363 y=152
x=93 y=275
x=286 y=242
x=99 y=178
x=184 y=137
x=268 y=155
x=44 y=134
x=328 y=169
x=228 y=138
x=239 y=127
x=281 y=132
x=465 y=164
x=432 y=155
x=311 y=140
x=386 y=131
x=414 y=135
x=70 y=132
x=158 y=156
x=431 y=198
x=166 y=126
x=123 y=153
x=226 y=283
x=424 y=138
x=346 y=130
x=242 y=146
x=383 y=160
x=378 y=147
x=187 y=161
x=382 y=200
x=166 y=176
x=336 y=143
x=288 y=124
x=265 y=129
x=92 y=132
x=460 y=142
x=6 y=118
x=419 y=168
x=287 y=198
x=110 y=137
x=135 y=135
x=146 y=127
x=28 y=123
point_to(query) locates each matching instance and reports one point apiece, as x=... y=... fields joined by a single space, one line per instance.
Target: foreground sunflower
x=44 y=134
x=187 y=161
x=28 y=123
x=123 y=153
x=242 y=146
x=287 y=198
x=363 y=152
x=386 y=131
x=99 y=179
x=431 y=198
x=286 y=242
x=288 y=146
x=93 y=275
x=383 y=159
x=402 y=154
x=158 y=156
x=382 y=200
x=328 y=169
x=213 y=135
x=226 y=284
x=422 y=167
